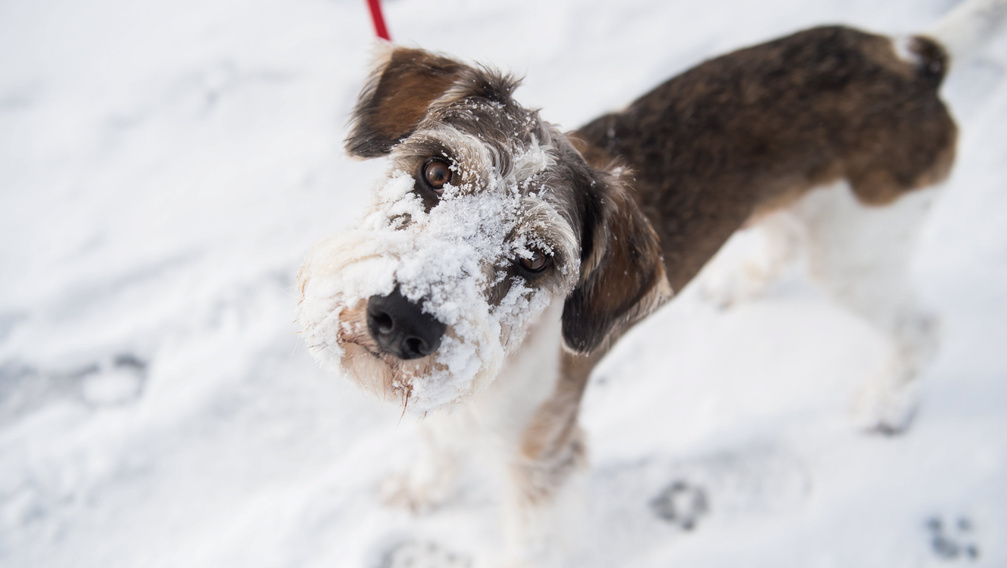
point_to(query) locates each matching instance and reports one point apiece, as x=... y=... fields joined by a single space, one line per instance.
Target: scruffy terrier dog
x=501 y=258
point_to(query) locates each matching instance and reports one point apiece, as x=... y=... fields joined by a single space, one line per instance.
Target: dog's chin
x=470 y=356
x=417 y=385
x=373 y=374
x=387 y=377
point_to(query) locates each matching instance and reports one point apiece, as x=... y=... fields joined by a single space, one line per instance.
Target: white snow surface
x=166 y=166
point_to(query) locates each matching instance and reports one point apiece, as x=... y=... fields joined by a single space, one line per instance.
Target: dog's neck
x=528 y=377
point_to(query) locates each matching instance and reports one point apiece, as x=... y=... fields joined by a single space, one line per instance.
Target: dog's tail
x=968 y=27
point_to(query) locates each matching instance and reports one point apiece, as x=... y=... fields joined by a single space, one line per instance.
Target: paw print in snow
x=422 y=555
x=681 y=504
x=953 y=541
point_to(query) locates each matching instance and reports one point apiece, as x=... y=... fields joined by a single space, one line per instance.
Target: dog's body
x=765 y=124
x=502 y=258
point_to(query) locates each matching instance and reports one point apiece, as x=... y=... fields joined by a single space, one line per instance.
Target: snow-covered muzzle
x=461 y=253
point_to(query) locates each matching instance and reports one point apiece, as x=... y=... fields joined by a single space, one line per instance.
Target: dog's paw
x=681 y=504
x=724 y=287
x=417 y=491
x=887 y=403
x=413 y=554
x=748 y=265
x=952 y=540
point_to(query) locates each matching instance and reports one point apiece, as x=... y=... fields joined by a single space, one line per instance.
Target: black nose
x=401 y=328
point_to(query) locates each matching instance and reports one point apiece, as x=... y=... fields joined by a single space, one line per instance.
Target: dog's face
x=487 y=216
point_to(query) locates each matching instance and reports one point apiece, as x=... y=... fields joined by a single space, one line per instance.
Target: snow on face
x=456 y=255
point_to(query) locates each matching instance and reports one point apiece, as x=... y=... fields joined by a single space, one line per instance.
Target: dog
x=501 y=258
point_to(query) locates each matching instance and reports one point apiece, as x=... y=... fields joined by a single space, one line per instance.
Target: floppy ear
x=396 y=97
x=622 y=272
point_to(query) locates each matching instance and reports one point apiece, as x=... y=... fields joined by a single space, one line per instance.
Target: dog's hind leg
x=861 y=255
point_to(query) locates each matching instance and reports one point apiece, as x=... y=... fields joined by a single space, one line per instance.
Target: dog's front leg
x=525 y=431
x=430 y=479
x=546 y=501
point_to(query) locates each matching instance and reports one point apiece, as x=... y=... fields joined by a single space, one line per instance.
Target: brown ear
x=622 y=272
x=396 y=98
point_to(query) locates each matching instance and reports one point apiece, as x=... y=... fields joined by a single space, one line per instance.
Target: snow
x=168 y=165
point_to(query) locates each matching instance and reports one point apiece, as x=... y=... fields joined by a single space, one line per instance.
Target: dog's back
x=749 y=132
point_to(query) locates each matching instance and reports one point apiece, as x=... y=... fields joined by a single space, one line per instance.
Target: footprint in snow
x=108 y=381
x=681 y=504
x=412 y=554
x=953 y=540
x=652 y=494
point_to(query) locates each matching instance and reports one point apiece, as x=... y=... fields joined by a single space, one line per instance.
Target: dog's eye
x=537 y=262
x=436 y=174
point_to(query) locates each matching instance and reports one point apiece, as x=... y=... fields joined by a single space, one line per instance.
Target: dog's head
x=487 y=217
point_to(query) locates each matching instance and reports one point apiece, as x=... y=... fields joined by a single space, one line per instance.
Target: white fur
x=965 y=29
x=902 y=45
x=752 y=259
x=860 y=255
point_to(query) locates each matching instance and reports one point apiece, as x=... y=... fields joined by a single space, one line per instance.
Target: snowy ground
x=166 y=166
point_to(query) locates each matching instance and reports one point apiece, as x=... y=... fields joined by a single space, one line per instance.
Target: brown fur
x=623 y=282
x=754 y=129
x=391 y=108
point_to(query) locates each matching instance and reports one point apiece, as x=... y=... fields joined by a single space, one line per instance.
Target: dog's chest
x=527 y=380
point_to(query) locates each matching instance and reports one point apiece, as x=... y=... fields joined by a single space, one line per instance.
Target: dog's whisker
x=405 y=403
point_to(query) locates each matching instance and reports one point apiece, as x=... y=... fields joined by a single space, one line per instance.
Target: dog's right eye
x=534 y=264
x=436 y=174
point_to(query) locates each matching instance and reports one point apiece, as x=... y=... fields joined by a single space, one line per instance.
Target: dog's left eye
x=436 y=174
x=537 y=262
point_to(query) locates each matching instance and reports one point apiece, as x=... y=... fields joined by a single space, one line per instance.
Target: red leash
x=379 y=20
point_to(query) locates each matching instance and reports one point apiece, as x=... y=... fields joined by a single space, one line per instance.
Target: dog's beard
x=380 y=374
x=444 y=260
x=423 y=384
x=335 y=285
